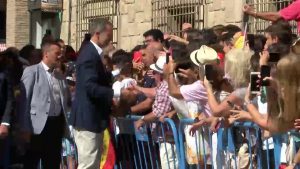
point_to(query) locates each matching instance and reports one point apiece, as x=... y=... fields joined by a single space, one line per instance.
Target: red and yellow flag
x=108 y=157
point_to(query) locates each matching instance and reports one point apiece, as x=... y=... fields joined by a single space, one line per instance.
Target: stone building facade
x=17 y=22
x=134 y=17
x=25 y=22
x=131 y=18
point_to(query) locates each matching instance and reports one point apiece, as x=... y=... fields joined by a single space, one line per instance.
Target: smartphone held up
x=265 y=71
x=208 y=69
x=168 y=54
x=255 y=82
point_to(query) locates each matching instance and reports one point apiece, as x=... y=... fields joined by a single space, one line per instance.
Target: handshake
x=123 y=99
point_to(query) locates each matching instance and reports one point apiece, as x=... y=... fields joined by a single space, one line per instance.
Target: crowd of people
x=55 y=101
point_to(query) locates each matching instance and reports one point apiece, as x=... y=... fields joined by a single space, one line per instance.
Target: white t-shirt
x=125 y=83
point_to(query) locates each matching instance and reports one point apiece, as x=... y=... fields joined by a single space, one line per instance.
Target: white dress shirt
x=115 y=73
x=55 y=100
x=99 y=50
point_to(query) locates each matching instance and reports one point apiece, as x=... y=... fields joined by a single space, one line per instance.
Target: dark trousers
x=4 y=152
x=46 y=147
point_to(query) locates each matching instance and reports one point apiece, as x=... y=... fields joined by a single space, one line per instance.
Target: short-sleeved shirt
x=149 y=82
x=196 y=92
x=162 y=102
x=125 y=83
x=292 y=12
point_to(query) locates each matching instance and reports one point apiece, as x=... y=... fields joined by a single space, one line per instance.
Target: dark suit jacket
x=6 y=98
x=93 y=94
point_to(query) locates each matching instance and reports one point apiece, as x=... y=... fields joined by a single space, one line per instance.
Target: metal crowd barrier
x=169 y=145
x=198 y=142
x=241 y=147
x=154 y=145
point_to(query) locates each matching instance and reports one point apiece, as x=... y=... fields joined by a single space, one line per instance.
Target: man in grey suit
x=44 y=104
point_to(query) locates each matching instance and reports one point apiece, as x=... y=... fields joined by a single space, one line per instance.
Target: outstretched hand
x=247 y=9
x=240 y=115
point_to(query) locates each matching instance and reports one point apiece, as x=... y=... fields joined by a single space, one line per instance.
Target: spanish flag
x=108 y=157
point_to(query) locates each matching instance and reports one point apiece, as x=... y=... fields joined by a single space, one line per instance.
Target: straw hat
x=159 y=65
x=204 y=55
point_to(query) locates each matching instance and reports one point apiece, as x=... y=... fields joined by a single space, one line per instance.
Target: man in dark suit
x=6 y=102
x=44 y=104
x=6 y=108
x=93 y=96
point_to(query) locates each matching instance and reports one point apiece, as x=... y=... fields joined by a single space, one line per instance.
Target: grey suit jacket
x=35 y=98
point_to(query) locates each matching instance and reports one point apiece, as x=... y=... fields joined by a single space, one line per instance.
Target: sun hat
x=204 y=55
x=159 y=65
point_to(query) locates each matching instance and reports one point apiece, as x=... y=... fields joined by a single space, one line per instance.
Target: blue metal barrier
x=249 y=137
x=183 y=163
x=144 y=148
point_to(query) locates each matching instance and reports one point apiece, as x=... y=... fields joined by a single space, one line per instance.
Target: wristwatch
x=142 y=118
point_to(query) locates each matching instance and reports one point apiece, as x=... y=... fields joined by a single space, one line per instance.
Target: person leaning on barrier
x=237 y=70
x=161 y=106
x=288 y=13
x=284 y=112
x=145 y=98
x=162 y=103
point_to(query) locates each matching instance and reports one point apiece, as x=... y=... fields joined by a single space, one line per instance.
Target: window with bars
x=259 y=25
x=169 y=15
x=88 y=10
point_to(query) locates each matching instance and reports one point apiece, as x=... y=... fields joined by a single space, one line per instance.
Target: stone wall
x=223 y=12
x=134 y=18
x=17 y=23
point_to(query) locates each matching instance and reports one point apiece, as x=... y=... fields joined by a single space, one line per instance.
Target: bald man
x=156 y=48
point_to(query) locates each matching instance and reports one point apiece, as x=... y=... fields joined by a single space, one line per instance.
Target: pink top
x=292 y=12
x=196 y=92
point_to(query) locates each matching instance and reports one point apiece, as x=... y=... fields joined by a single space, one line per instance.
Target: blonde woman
x=283 y=100
x=237 y=71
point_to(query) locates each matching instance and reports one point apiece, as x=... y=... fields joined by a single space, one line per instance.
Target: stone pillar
x=17 y=23
x=68 y=29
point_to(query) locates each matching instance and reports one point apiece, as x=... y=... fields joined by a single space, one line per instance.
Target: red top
x=292 y=12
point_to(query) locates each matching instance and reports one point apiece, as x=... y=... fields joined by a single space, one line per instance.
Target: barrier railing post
x=146 y=143
x=181 y=144
x=175 y=135
x=259 y=146
x=277 y=149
